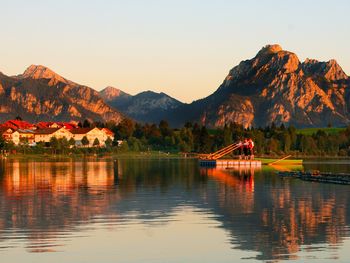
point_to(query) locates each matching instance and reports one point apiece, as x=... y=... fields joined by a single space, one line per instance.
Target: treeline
x=192 y=137
x=135 y=137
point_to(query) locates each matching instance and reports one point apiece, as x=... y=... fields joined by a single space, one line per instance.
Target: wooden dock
x=316 y=176
x=229 y=163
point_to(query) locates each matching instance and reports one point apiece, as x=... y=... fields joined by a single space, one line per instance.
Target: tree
x=227 y=136
x=164 y=128
x=63 y=144
x=205 y=141
x=125 y=129
x=138 y=131
x=96 y=142
x=54 y=144
x=273 y=146
x=134 y=144
x=287 y=141
x=71 y=141
x=2 y=142
x=108 y=142
x=86 y=124
x=85 y=141
x=188 y=125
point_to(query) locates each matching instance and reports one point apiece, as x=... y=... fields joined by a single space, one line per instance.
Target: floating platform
x=228 y=163
x=316 y=176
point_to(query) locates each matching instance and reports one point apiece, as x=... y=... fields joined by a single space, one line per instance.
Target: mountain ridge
x=41 y=94
x=274 y=86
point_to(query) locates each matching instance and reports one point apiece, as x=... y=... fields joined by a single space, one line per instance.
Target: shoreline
x=166 y=155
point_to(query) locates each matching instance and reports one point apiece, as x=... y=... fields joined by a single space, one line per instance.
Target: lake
x=168 y=210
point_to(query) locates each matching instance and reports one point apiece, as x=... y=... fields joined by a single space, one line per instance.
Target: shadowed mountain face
x=146 y=106
x=274 y=86
x=39 y=94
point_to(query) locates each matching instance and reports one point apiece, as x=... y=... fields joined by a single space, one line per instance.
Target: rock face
x=144 y=107
x=275 y=86
x=39 y=94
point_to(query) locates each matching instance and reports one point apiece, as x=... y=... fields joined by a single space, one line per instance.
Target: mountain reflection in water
x=46 y=204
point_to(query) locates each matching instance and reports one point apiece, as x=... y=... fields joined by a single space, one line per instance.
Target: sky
x=184 y=48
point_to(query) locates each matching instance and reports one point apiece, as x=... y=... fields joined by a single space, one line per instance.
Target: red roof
x=48 y=124
x=69 y=125
x=44 y=124
x=18 y=124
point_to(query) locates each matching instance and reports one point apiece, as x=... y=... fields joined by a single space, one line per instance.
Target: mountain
x=39 y=94
x=146 y=106
x=274 y=86
x=111 y=94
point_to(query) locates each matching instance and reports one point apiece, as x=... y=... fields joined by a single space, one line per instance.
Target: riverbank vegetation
x=131 y=137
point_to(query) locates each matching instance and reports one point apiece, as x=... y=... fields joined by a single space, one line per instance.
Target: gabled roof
x=69 y=125
x=46 y=130
x=48 y=124
x=18 y=124
x=81 y=130
x=44 y=124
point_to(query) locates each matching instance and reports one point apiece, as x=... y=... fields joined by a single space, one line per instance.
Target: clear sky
x=182 y=47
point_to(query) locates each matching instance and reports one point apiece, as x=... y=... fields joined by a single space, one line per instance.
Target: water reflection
x=44 y=205
x=40 y=199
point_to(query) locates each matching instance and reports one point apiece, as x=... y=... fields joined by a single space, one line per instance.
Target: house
x=91 y=134
x=6 y=133
x=45 y=134
x=108 y=133
x=23 y=136
x=20 y=132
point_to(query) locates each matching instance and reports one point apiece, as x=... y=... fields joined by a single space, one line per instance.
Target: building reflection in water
x=40 y=199
x=45 y=201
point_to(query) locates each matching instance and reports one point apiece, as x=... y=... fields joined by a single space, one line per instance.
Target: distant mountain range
x=147 y=106
x=274 y=86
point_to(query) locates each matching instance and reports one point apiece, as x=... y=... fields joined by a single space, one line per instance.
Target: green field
x=282 y=162
x=329 y=130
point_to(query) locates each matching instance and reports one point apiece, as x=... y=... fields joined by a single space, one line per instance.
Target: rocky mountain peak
x=330 y=70
x=42 y=72
x=275 y=87
x=285 y=61
x=333 y=71
x=269 y=61
x=110 y=93
x=268 y=49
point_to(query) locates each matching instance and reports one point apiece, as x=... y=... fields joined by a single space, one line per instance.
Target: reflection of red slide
x=245 y=179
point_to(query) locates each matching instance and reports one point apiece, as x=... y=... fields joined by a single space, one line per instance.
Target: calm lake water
x=168 y=211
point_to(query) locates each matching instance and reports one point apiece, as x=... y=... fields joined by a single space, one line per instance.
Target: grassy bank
x=131 y=155
x=282 y=162
x=328 y=130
